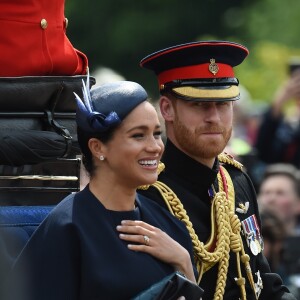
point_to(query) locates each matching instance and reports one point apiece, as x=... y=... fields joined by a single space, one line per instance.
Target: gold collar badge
x=243 y=208
x=213 y=67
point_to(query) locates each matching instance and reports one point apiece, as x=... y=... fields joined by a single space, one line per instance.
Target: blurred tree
x=265 y=69
x=275 y=21
x=271 y=32
x=118 y=34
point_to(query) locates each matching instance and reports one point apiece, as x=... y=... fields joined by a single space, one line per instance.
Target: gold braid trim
x=225 y=230
x=228 y=159
x=236 y=243
x=220 y=229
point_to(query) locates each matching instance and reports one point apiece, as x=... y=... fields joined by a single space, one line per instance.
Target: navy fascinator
x=106 y=106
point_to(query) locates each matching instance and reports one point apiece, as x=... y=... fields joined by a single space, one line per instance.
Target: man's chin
x=212 y=151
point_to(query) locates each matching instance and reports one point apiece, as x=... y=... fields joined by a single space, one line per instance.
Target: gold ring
x=146 y=239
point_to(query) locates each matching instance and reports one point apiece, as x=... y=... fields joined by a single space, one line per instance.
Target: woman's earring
x=101 y=157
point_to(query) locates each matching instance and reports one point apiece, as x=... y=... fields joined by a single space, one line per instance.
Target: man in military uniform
x=204 y=187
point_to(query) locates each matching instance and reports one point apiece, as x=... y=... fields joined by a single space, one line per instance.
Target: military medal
x=253 y=247
x=258 y=245
x=249 y=236
x=259 y=237
x=255 y=230
x=250 y=230
x=261 y=241
x=258 y=285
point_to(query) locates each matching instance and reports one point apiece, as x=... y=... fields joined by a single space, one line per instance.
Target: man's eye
x=158 y=134
x=223 y=103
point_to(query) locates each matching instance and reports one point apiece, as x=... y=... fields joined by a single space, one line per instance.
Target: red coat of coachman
x=33 y=40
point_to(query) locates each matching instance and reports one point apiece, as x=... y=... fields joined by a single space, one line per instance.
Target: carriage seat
x=17 y=224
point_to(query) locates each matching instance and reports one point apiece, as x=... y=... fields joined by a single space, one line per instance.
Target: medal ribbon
x=256 y=226
x=252 y=226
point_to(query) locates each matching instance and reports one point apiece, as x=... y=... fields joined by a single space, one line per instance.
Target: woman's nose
x=155 y=145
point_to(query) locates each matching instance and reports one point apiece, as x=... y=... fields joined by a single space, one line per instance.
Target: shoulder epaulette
x=226 y=158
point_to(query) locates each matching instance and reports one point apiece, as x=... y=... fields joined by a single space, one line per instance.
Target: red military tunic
x=33 y=40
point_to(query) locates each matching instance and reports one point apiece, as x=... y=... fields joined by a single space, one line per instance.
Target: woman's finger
x=137 y=223
x=136 y=238
x=138 y=228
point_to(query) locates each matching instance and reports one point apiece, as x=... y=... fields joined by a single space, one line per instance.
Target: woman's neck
x=113 y=196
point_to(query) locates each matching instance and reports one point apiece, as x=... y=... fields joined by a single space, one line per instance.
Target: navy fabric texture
x=76 y=253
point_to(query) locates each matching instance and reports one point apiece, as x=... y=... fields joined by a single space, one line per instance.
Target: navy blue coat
x=76 y=253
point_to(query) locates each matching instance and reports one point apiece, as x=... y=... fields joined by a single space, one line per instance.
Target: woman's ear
x=166 y=108
x=96 y=147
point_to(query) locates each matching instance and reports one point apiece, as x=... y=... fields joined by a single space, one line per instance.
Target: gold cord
x=225 y=234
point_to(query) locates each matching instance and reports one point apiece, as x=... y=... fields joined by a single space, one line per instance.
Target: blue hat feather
x=107 y=105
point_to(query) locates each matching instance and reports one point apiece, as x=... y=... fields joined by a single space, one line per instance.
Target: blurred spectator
x=274 y=234
x=247 y=117
x=246 y=120
x=279 y=193
x=281 y=252
x=279 y=203
x=278 y=137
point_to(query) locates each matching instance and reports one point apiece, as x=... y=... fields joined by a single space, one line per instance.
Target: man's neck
x=209 y=162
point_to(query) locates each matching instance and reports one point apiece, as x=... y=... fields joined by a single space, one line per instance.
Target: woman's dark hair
x=83 y=138
x=102 y=111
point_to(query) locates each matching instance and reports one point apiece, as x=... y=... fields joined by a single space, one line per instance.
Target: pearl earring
x=101 y=157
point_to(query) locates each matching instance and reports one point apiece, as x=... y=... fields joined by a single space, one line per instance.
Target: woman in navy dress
x=105 y=242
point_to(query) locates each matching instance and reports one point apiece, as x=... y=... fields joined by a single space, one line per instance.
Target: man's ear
x=96 y=147
x=166 y=108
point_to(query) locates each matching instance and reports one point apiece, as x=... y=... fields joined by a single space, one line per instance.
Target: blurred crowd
x=266 y=139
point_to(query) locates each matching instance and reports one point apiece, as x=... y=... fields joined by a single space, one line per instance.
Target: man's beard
x=191 y=144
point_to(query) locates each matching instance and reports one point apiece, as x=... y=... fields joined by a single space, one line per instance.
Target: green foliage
x=265 y=69
x=271 y=30
x=275 y=20
x=118 y=34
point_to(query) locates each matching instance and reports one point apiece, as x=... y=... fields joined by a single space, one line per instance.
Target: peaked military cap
x=107 y=105
x=198 y=71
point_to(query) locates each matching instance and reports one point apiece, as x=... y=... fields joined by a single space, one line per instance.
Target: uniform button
x=44 y=23
x=66 y=23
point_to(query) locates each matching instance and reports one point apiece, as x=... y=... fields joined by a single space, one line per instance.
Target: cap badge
x=213 y=67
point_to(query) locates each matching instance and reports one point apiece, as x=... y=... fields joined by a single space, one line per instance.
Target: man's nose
x=212 y=113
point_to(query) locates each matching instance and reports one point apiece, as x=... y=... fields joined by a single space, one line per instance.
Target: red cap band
x=195 y=72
